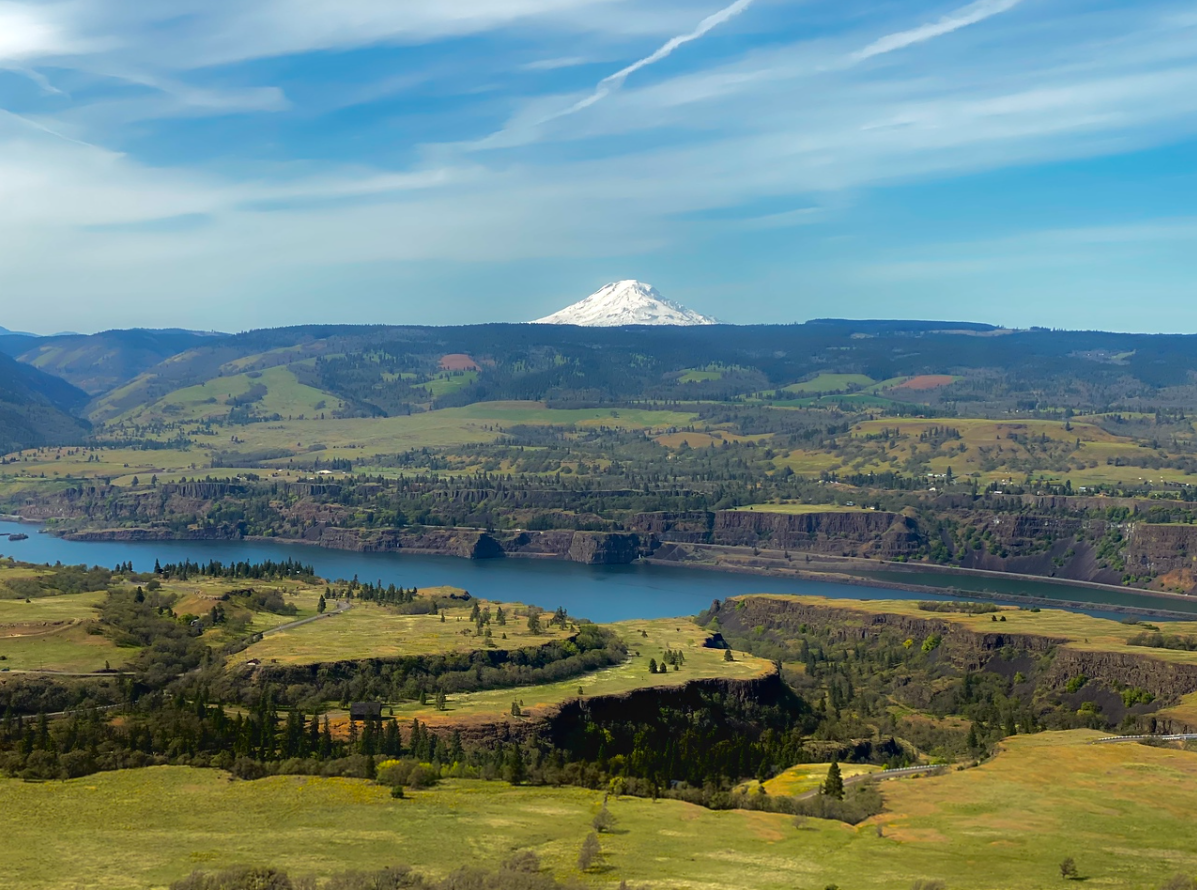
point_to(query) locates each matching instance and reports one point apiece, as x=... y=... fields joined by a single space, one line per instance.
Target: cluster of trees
x=259 y=571
x=55 y=580
x=1157 y=640
x=390 y=595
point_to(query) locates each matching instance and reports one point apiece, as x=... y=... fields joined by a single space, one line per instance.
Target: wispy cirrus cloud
x=972 y=14
x=613 y=82
x=246 y=164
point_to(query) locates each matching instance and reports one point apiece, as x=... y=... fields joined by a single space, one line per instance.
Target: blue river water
x=600 y=593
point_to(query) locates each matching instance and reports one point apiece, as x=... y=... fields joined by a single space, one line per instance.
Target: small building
x=365 y=710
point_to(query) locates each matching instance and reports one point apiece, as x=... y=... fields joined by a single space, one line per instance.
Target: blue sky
x=226 y=164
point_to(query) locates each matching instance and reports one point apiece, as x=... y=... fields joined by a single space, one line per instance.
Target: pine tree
x=514 y=770
x=834 y=784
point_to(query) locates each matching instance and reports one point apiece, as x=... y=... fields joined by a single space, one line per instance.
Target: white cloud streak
x=788 y=124
x=954 y=21
x=614 y=81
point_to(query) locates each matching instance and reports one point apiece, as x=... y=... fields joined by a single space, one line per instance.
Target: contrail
x=953 y=21
x=613 y=82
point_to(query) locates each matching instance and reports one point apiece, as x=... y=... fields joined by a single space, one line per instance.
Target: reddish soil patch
x=458 y=361
x=926 y=381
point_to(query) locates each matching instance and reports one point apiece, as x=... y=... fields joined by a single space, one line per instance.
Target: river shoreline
x=830 y=575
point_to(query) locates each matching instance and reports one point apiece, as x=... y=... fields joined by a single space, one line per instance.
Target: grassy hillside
x=273 y=393
x=97 y=363
x=368 y=630
x=36 y=408
x=1120 y=811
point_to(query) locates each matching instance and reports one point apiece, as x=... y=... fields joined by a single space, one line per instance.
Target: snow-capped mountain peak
x=624 y=303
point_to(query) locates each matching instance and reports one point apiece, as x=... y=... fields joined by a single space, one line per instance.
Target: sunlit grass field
x=50 y=634
x=829 y=383
x=808 y=777
x=1122 y=811
x=369 y=630
x=666 y=633
x=990 y=451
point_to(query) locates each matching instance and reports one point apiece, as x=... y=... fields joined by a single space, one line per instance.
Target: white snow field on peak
x=626 y=303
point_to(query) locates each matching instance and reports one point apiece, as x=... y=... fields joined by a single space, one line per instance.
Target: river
x=600 y=593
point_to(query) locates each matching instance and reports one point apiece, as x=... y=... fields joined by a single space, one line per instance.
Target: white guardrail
x=1175 y=737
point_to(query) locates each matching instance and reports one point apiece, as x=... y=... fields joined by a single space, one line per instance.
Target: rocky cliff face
x=1161 y=549
x=972 y=650
x=591 y=548
x=855 y=533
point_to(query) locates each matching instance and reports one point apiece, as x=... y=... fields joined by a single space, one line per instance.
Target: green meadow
x=1123 y=812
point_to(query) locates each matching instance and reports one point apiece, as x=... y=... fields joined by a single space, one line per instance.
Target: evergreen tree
x=514 y=769
x=833 y=786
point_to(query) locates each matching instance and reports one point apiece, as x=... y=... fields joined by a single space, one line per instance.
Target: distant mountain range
x=664 y=352
x=97 y=363
x=626 y=303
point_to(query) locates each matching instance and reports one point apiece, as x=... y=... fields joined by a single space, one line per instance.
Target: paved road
x=342 y=606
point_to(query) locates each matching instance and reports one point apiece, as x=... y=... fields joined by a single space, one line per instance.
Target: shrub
x=524 y=862
x=604 y=820
x=591 y=853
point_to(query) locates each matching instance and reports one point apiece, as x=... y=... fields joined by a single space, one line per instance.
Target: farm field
x=830 y=383
x=332 y=438
x=989 y=451
x=1120 y=810
x=369 y=630
x=647 y=639
x=355 y=438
